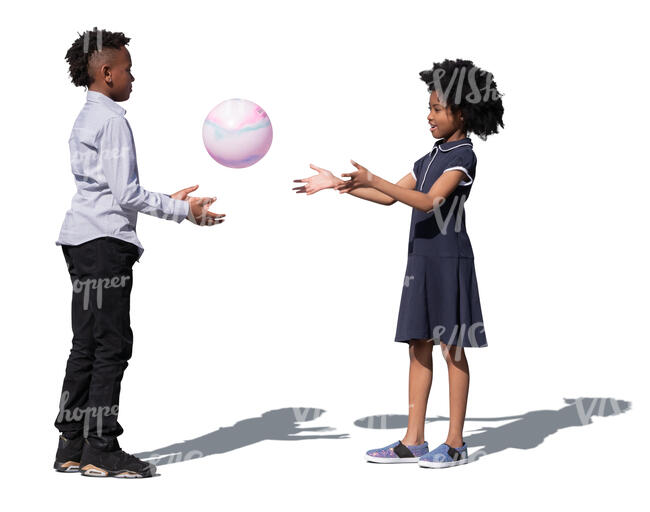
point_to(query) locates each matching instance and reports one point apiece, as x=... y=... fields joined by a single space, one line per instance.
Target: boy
x=100 y=245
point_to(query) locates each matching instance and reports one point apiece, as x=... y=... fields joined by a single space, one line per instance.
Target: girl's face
x=443 y=122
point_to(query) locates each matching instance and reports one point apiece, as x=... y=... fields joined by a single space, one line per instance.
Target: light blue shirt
x=104 y=166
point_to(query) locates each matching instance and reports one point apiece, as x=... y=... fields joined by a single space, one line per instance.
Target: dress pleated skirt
x=440 y=302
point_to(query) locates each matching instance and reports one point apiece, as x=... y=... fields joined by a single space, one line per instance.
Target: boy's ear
x=106 y=73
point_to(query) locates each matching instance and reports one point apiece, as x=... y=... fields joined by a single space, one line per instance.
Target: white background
x=293 y=301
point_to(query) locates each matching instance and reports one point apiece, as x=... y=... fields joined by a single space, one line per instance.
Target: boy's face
x=443 y=122
x=112 y=74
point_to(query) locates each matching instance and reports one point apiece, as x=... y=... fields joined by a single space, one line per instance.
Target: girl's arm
x=426 y=202
x=377 y=196
x=325 y=179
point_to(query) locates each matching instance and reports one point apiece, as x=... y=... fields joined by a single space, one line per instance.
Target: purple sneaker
x=444 y=456
x=397 y=453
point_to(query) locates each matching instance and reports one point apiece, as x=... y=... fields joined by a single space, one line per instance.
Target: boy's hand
x=182 y=194
x=199 y=213
x=361 y=178
x=324 y=179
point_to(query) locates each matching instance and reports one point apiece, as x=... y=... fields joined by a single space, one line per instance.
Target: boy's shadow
x=279 y=424
x=527 y=431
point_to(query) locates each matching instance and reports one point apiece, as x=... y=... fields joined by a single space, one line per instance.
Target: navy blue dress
x=440 y=299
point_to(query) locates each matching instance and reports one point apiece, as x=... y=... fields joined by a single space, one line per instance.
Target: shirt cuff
x=181 y=210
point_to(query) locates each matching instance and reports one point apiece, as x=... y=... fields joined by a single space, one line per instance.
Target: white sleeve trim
x=458 y=168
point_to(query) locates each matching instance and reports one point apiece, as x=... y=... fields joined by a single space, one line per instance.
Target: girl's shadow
x=527 y=431
x=279 y=424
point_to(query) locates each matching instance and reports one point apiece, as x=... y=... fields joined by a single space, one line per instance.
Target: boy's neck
x=101 y=91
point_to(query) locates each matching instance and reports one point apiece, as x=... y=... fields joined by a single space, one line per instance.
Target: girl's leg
x=458 y=390
x=420 y=376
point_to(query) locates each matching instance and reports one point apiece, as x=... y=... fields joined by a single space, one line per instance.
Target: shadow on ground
x=279 y=424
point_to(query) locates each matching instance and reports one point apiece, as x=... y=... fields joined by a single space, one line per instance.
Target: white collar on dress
x=448 y=146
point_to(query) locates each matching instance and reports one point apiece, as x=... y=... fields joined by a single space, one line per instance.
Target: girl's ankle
x=454 y=443
x=412 y=442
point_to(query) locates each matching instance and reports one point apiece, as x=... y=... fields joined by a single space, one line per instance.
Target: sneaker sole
x=90 y=470
x=67 y=467
x=391 y=460
x=431 y=464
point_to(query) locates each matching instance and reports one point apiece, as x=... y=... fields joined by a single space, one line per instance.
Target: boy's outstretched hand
x=184 y=193
x=360 y=178
x=324 y=179
x=198 y=212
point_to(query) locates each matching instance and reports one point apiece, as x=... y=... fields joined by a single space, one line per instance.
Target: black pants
x=101 y=275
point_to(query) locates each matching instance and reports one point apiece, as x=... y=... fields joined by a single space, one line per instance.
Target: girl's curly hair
x=84 y=46
x=462 y=86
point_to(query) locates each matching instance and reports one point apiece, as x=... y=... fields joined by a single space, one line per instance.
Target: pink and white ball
x=237 y=133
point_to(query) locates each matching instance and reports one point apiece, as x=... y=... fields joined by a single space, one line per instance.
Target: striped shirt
x=105 y=170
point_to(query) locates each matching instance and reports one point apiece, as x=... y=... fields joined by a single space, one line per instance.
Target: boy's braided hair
x=84 y=46
x=463 y=86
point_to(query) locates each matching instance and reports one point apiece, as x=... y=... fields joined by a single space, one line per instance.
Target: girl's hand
x=358 y=179
x=324 y=179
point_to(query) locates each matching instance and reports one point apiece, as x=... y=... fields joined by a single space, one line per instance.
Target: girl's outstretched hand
x=324 y=179
x=360 y=178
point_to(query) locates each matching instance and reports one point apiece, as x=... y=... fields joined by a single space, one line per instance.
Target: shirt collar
x=446 y=146
x=98 y=97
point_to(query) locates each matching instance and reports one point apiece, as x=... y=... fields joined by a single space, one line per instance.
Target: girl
x=440 y=300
